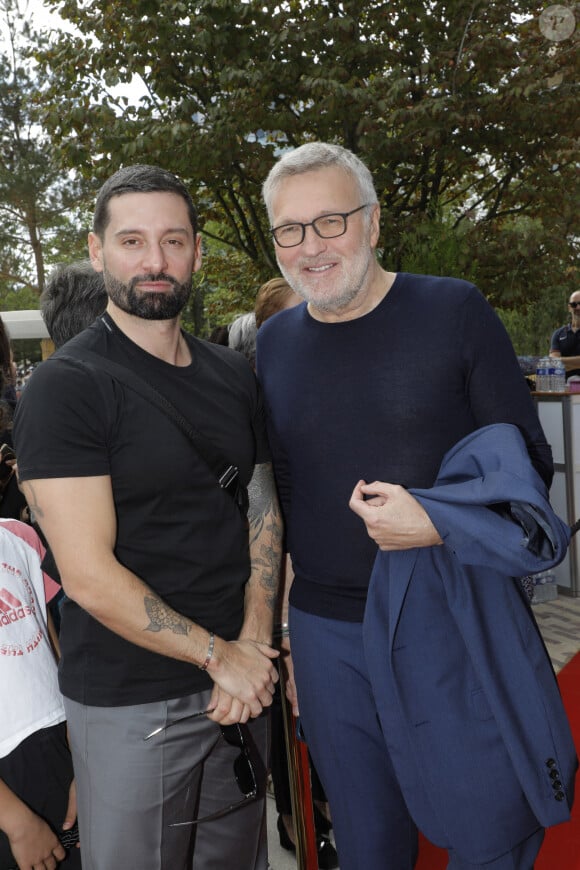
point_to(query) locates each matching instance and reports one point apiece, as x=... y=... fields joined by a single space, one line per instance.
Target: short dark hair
x=140 y=178
x=219 y=335
x=73 y=296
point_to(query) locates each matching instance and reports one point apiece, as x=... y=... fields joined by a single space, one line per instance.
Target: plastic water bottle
x=551 y=373
x=542 y=377
x=543 y=577
x=545 y=587
x=558 y=376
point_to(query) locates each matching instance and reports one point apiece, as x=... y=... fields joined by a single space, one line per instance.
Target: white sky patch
x=44 y=20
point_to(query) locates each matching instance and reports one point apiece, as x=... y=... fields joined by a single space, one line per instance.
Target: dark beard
x=148 y=306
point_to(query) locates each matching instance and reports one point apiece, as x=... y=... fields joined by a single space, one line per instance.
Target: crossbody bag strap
x=225 y=472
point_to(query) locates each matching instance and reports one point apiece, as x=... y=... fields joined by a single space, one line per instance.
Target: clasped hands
x=393 y=518
x=244 y=678
x=395 y=521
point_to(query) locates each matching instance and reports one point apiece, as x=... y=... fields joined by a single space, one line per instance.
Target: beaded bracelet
x=209 y=652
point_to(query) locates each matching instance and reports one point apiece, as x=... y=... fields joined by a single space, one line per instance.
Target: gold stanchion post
x=300 y=787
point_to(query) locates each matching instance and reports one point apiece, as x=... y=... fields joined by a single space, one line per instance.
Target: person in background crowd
x=9 y=373
x=242 y=336
x=219 y=335
x=273 y=296
x=12 y=502
x=367 y=388
x=167 y=666
x=73 y=296
x=37 y=794
x=565 y=341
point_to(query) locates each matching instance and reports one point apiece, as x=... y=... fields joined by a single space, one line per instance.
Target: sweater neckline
x=364 y=318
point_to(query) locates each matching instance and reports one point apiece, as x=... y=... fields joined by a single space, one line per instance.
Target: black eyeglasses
x=327 y=226
x=574 y=304
x=244 y=772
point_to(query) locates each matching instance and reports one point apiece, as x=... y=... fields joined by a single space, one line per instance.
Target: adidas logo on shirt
x=12 y=609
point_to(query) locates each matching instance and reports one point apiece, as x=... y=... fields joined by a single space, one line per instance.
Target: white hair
x=317 y=155
x=242 y=335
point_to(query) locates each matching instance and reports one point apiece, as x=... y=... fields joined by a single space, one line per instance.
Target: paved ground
x=559 y=622
x=279 y=858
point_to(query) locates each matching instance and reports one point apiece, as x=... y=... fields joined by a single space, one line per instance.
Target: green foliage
x=38 y=203
x=531 y=328
x=466 y=114
x=434 y=247
x=462 y=108
x=17 y=299
x=228 y=281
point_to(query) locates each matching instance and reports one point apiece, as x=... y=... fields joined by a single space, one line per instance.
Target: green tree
x=459 y=107
x=230 y=281
x=39 y=218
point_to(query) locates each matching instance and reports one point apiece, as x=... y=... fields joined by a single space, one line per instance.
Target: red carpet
x=561 y=849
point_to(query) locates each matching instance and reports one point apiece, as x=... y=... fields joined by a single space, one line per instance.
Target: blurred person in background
x=274 y=296
x=12 y=501
x=242 y=336
x=219 y=335
x=565 y=340
x=73 y=296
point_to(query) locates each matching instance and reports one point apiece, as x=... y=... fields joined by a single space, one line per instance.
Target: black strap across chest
x=227 y=475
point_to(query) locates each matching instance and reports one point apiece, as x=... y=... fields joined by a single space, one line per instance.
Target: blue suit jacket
x=465 y=690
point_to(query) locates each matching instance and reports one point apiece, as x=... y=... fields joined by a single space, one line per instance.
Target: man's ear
x=95 y=252
x=197 y=256
x=375 y=225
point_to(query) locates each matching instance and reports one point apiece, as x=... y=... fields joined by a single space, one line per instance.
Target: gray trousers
x=130 y=790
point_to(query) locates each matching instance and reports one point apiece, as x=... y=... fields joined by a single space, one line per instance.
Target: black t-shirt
x=176 y=529
x=567 y=342
x=12 y=502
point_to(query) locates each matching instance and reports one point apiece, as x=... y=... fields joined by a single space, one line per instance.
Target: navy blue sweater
x=381 y=397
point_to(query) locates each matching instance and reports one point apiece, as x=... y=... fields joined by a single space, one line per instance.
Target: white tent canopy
x=24 y=324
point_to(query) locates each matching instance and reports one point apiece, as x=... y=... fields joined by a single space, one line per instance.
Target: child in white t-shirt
x=37 y=800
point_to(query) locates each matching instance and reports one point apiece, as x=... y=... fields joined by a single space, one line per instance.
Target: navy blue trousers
x=372 y=825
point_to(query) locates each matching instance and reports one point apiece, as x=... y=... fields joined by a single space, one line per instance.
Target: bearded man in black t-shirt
x=167 y=667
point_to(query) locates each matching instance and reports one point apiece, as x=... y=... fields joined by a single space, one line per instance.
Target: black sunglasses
x=244 y=772
x=574 y=304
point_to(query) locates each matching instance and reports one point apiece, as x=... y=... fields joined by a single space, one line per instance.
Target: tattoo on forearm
x=260 y=495
x=161 y=616
x=265 y=531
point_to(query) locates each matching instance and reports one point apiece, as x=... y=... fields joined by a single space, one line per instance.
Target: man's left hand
x=393 y=518
x=227 y=710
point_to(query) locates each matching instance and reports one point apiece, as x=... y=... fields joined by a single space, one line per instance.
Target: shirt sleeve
x=497 y=390
x=281 y=470
x=61 y=423
x=554 y=342
x=263 y=453
x=30 y=537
